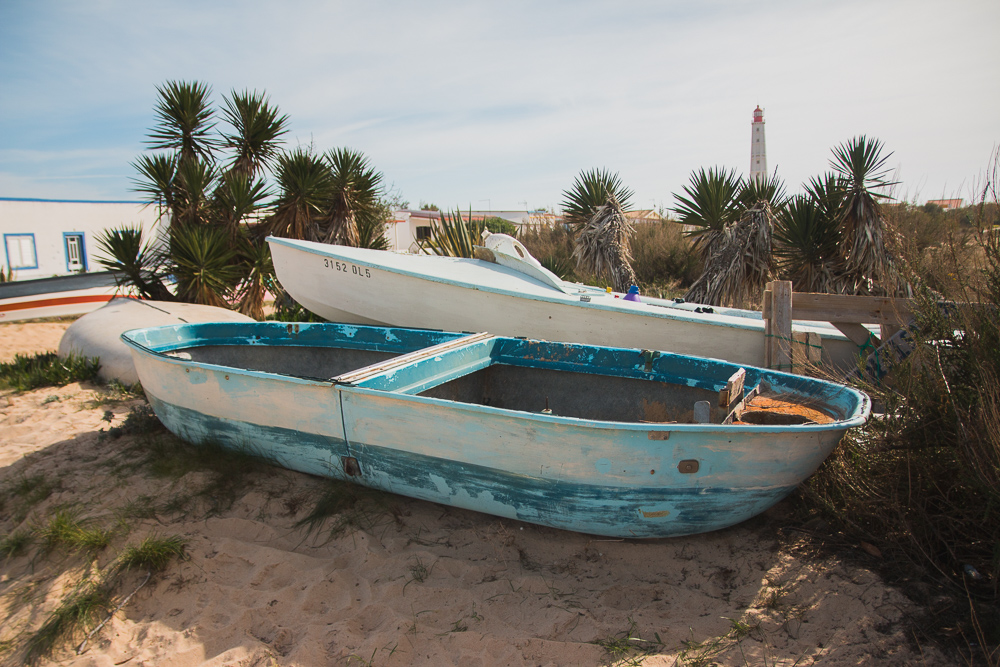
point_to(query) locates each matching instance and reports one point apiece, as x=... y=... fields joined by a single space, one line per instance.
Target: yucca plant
x=770 y=189
x=202 y=258
x=238 y=198
x=141 y=265
x=357 y=189
x=184 y=120
x=589 y=192
x=305 y=187
x=806 y=246
x=709 y=204
x=868 y=262
x=602 y=246
x=257 y=128
x=453 y=236
x=253 y=287
x=741 y=265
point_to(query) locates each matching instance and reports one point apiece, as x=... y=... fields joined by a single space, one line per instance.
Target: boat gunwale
x=857 y=417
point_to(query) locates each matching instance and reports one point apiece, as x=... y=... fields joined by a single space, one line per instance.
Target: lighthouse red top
x=758 y=115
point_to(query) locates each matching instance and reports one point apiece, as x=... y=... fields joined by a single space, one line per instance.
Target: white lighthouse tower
x=758 y=153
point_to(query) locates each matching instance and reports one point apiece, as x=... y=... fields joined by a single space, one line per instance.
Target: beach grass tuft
x=46 y=369
x=351 y=507
x=153 y=553
x=65 y=530
x=80 y=611
x=628 y=647
x=13 y=544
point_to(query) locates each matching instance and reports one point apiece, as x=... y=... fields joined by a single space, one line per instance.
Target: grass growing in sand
x=46 y=369
x=26 y=492
x=154 y=553
x=65 y=530
x=628 y=647
x=81 y=612
x=350 y=507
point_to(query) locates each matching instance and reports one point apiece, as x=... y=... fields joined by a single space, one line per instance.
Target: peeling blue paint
x=600 y=477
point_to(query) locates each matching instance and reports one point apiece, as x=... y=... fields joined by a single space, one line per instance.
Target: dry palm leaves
x=602 y=246
x=741 y=265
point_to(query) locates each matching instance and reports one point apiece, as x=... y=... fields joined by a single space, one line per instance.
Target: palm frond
x=709 y=205
x=742 y=264
x=258 y=127
x=602 y=246
x=453 y=236
x=202 y=264
x=589 y=192
x=356 y=191
x=184 y=120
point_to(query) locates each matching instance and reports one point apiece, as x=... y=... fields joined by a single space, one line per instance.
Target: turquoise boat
x=607 y=441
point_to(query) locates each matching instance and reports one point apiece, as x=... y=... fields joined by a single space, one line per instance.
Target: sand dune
x=410 y=583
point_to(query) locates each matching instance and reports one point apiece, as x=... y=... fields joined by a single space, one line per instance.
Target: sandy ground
x=414 y=584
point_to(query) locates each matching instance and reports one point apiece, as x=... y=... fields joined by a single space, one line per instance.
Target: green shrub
x=46 y=369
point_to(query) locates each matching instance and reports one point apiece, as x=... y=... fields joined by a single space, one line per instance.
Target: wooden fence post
x=778 y=326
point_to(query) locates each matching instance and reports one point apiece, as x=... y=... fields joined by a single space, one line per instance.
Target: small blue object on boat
x=598 y=440
x=633 y=294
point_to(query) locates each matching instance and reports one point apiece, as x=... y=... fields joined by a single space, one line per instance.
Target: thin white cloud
x=458 y=101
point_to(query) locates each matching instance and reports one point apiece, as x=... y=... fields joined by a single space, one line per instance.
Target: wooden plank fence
x=787 y=350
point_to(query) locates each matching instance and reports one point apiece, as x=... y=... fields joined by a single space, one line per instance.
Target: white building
x=758 y=148
x=45 y=237
x=409 y=227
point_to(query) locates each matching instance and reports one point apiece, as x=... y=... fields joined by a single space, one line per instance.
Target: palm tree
x=357 y=189
x=184 y=120
x=305 y=188
x=590 y=191
x=868 y=263
x=770 y=189
x=709 y=205
x=742 y=262
x=602 y=246
x=807 y=242
x=142 y=265
x=257 y=127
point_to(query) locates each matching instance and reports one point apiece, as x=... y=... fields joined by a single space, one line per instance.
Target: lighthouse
x=758 y=153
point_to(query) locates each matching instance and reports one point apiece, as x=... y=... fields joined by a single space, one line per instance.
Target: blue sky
x=502 y=104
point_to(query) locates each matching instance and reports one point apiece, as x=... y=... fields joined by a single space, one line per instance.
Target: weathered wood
x=858 y=334
x=807 y=350
x=734 y=389
x=835 y=308
x=778 y=325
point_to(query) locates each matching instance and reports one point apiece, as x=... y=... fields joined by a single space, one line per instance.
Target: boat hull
x=605 y=478
x=377 y=288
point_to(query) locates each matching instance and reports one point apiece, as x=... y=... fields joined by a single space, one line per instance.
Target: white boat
x=508 y=293
x=56 y=297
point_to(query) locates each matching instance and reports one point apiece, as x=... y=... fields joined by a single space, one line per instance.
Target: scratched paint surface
x=605 y=478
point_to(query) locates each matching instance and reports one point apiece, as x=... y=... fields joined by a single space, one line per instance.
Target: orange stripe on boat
x=61 y=301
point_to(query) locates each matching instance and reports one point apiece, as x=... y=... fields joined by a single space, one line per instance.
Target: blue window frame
x=76 y=252
x=21 y=252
